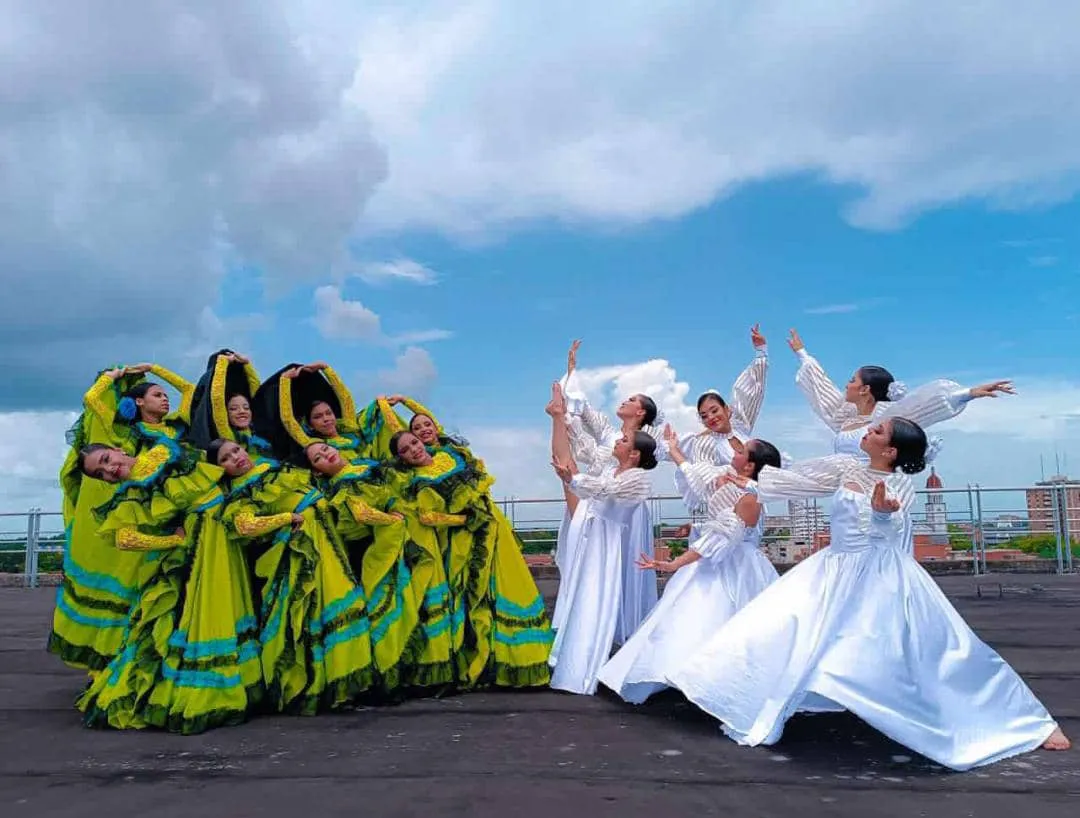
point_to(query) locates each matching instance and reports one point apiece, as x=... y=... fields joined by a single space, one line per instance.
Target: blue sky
x=432 y=198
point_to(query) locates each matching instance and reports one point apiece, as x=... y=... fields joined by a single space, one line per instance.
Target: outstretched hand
x=794 y=341
x=571 y=357
x=731 y=477
x=557 y=405
x=756 y=338
x=880 y=502
x=647 y=563
x=993 y=389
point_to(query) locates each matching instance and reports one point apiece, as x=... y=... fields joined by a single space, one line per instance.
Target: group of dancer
x=268 y=548
x=858 y=626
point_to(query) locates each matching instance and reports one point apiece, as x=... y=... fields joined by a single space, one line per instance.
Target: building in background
x=1054 y=505
x=806 y=519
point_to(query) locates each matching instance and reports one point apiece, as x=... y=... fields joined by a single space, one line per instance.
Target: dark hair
x=88 y=450
x=909 y=440
x=649 y=405
x=710 y=394
x=878 y=379
x=214 y=449
x=139 y=390
x=762 y=454
x=645 y=446
x=229 y=396
x=421 y=415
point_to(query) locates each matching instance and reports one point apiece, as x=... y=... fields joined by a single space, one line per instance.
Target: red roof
x=933 y=481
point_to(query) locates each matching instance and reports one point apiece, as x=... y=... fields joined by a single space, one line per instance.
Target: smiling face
x=232 y=457
x=153 y=405
x=715 y=416
x=877 y=442
x=239 y=412
x=324 y=458
x=424 y=428
x=411 y=449
x=631 y=409
x=110 y=465
x=322 y=419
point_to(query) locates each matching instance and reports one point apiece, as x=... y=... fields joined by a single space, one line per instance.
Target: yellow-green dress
x=403 y=577
x=499 y=626
x=315 y=634
x=349 y=441
x=189 y=658
x=100 y=583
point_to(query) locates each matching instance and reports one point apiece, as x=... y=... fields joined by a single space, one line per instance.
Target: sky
x=437 y=197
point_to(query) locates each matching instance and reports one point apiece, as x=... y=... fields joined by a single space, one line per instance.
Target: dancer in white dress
x=638 y=413
x=861 y=626
x=728 y=425
x=591 y=583
x=720 y=573
x=872 y=394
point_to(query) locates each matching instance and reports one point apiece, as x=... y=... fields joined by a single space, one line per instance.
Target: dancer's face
x=877 y=442
x=740 y=461
x=239 y=412
x=624 y=451
x=715 y=417
x=324 y=458
x=424 y=428
x=411 y=449
x=109 y=465
x=855 y=389
x=322 y=419
x=631 y=409
x=232 y=457
x=154 y=404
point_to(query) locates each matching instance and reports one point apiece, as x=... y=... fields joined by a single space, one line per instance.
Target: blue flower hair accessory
x=128 y=408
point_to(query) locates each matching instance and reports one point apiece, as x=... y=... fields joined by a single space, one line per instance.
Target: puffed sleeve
x=825 y=399
x=931 y=403
x=748 y=393
x=630 y=486
x=819 y=477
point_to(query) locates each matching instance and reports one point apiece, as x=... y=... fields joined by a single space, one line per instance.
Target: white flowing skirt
x=867 y=631
x=697 y=601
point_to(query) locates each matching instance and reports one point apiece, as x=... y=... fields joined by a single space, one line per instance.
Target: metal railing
x=974 y=526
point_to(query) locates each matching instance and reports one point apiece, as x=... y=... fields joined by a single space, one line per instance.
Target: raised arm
x=218 y=407
x=748 y=393
x=940 y=400
x=344 y=396
x=589 y=457
x=825 y=399
x=185 y=387
x=819 y=477
x=629 y=487
x=288 y=419
x=93 y=399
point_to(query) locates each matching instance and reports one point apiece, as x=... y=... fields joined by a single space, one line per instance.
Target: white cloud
x=339 y=319
x=342 y=319
x=626 y=112
x=402 y=269
x=32 y=448
x=831 y=309
x=413 y=374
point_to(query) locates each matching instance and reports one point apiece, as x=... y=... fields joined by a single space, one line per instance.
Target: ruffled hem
x=80 y=657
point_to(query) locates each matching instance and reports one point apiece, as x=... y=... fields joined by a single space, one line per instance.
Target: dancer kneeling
x=861 y=626
x=718 y=574
x=591 y=584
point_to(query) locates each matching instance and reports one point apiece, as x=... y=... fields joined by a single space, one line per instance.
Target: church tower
x=936 y=511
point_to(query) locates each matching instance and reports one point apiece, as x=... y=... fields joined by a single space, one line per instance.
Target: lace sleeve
x=218 y=406
x=251 y=525
x=825 y=399
x=131 y=539
x=631 y=486
x=185 y=387
x=819 y=477
x=437 y=519
x=365 y=514
x=748 y=393
x=719 y=536
x=344 y=396
x=288 y=419
x=587 y=454
x=594 y=422
x=931 y=403
x=92 y=400
x=695 y=481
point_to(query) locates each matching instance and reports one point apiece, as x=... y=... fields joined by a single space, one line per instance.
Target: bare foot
x=1057 y=741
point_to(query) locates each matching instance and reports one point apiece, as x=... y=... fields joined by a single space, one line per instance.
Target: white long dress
x=587 y=610
x=861 y=626
x=592 y=439
x=699 y=598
